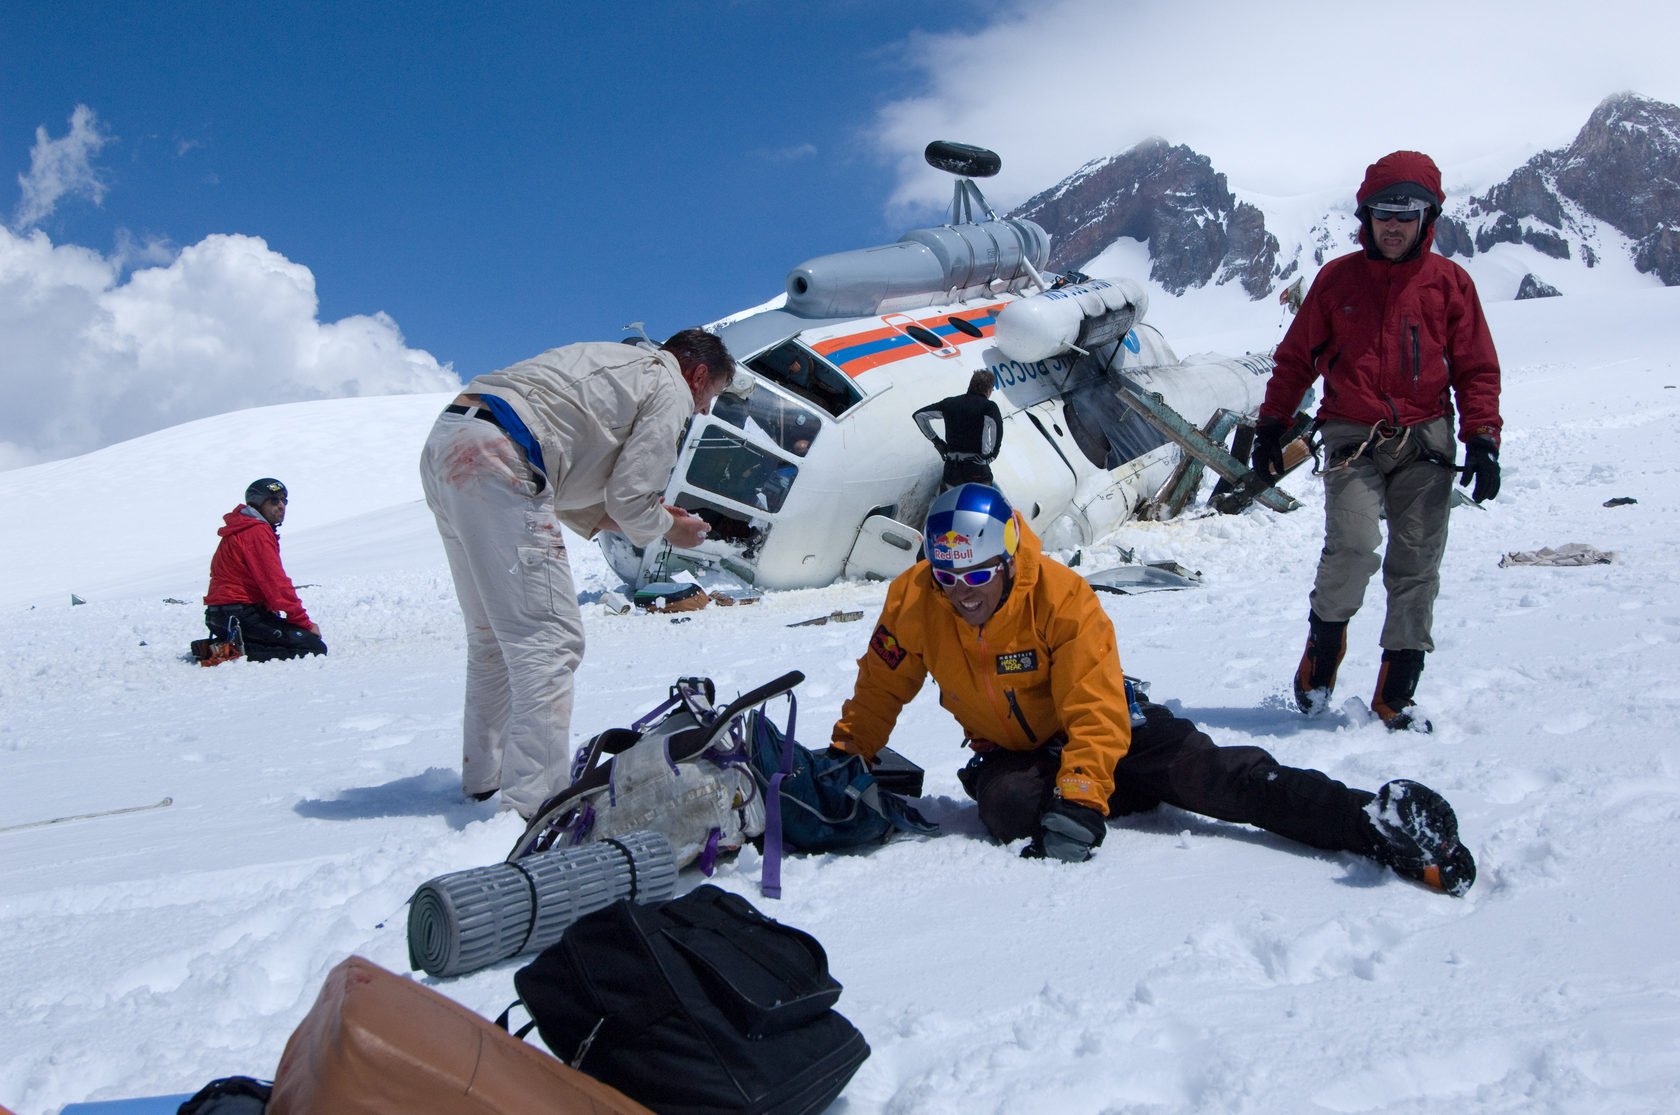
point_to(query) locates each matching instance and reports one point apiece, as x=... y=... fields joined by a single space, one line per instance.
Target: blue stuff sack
x=825 y=804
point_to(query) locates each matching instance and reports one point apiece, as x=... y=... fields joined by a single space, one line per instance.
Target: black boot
x=1315 y=677
x=1416 y=834
x=1397 y=681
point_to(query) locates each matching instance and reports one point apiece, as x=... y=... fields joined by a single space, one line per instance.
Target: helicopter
x=810 y=468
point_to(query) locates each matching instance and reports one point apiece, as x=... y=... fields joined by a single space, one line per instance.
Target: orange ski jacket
x=1046 y=664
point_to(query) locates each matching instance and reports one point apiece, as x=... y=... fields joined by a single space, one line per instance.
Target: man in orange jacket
x=1025 y=659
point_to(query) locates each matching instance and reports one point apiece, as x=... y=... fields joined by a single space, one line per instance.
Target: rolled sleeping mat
x=467 y=920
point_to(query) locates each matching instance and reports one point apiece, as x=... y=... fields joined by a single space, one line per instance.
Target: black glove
x=1068 y=832
x=1267 y=452
x=1481 y=463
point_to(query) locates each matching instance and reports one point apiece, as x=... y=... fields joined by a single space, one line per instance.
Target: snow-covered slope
x=1191 y=967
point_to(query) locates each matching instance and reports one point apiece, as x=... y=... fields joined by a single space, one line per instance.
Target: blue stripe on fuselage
x=844 y=356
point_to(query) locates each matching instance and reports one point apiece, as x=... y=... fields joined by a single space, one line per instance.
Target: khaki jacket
x=608 y=417
x=1045 y=664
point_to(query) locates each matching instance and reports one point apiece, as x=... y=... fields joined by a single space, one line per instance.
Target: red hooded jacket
x=246 y=567
x=1388 y=338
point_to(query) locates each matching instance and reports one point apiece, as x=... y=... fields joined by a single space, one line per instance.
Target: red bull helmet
x=969 y=525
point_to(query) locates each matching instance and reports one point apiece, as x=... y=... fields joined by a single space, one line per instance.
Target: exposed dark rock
x=1528 y=193
x=1530 y=287
x=1452 y=237
x=1505 y=229
x=1548 y=242
x=1659 y=252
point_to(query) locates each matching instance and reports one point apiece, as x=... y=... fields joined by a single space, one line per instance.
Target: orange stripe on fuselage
x=889 y=344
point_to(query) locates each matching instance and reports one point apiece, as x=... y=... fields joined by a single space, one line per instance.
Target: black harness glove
x=1481 y=464
x=1267 y=452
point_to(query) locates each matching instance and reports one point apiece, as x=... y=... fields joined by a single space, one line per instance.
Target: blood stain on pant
x=462 y=463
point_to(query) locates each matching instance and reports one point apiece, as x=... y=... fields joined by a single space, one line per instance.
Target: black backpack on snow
x=697 y=1004
x=231 y=1095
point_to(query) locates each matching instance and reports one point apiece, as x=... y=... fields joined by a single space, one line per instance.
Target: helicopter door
x=884 y=548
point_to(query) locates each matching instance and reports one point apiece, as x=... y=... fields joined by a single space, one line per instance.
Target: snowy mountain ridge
x=1606 y=205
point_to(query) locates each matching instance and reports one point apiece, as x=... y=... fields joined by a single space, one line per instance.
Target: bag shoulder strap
x=690 y=745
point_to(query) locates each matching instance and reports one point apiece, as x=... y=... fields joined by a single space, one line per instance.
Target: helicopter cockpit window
x=771 y=416
x=807 y=375
x=734 y=468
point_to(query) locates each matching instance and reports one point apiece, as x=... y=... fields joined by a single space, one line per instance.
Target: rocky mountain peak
x=1622 y=169
x=1170 y=197
x=1624 y=166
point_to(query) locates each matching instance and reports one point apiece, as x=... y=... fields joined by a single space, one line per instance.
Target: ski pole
x=88 y=816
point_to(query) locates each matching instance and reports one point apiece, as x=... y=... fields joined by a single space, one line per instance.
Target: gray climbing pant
x=1402 y=474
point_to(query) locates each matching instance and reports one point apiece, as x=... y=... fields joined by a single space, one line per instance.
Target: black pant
x=958 y=473
x=260 y=633
x=1172 y=761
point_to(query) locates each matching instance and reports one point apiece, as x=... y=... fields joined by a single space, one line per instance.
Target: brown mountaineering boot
x=213 y=651
x=1397 y=681
x=1415 y=832
x=1315 y=677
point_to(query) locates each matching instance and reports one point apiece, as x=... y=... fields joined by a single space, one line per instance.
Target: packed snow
x=1192 y=966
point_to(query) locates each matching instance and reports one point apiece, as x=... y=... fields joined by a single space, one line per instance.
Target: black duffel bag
x=697 y=1004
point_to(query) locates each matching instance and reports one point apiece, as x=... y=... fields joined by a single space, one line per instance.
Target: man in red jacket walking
x=251 y=602
x=1398 y=336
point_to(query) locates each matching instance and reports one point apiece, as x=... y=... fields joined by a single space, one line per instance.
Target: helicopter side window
x=807 y=375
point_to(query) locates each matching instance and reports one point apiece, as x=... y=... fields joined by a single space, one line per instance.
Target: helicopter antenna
x=967 y=196
x=967 y=162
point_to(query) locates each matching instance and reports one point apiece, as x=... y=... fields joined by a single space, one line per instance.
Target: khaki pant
x=524 y=630
x=1403 y=478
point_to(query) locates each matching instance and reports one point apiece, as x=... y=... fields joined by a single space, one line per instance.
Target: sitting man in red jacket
x=1025 y=658
x=251 y=602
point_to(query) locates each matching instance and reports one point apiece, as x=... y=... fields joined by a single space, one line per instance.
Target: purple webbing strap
x=709 y=854
x=577 y=830
x=770 y=875
x=670 y=702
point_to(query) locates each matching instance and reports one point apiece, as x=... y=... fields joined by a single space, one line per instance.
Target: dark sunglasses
x=1404 y=218
x=974 y=578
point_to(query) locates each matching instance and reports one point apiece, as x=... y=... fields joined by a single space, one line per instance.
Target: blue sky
x=497 y=183
x=209 y=206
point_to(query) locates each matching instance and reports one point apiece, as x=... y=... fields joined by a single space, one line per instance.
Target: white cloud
x=1285 y=98
x=89 y=357
x=60 y=168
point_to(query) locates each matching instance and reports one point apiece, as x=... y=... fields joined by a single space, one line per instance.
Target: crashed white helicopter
x=811 y=467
